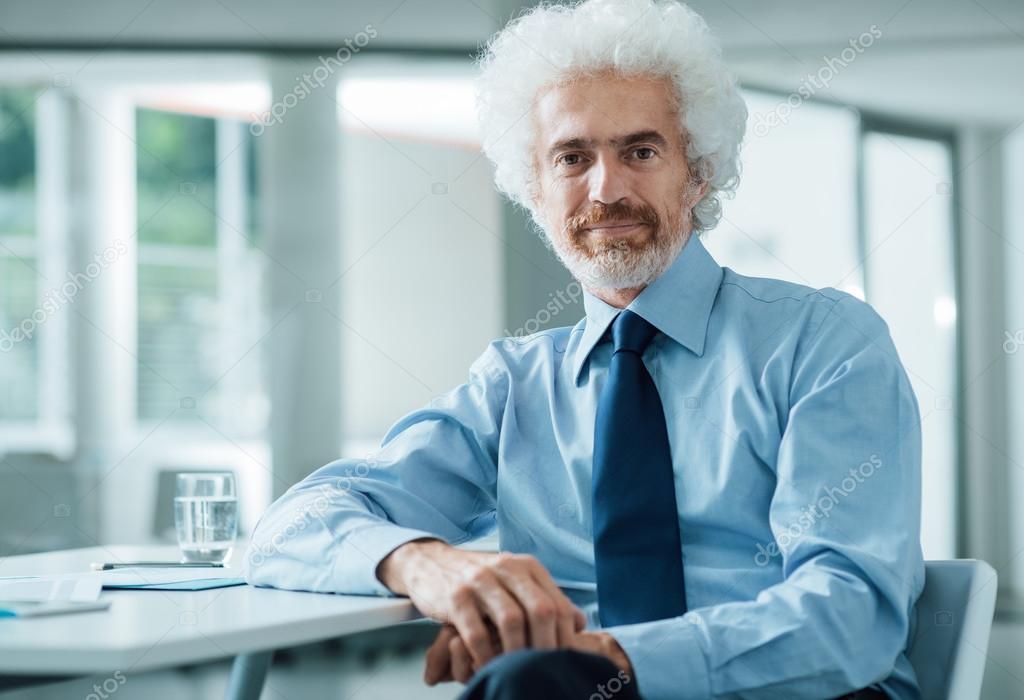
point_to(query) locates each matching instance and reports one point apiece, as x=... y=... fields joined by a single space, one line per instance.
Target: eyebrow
x=645 y=136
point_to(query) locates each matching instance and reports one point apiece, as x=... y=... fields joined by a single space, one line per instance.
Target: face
x=614 y=193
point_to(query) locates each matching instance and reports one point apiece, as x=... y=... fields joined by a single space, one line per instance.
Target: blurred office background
x=250 y=235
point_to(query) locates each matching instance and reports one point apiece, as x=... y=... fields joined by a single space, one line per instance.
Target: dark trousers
x=550 y=675
x=563 y=673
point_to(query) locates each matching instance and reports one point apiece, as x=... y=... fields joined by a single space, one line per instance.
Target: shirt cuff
x=668 y=661
x=356 y=560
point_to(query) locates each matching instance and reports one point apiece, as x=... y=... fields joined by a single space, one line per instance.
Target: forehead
x=604 y=106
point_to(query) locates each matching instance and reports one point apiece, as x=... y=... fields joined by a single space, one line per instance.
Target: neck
x=619 y=298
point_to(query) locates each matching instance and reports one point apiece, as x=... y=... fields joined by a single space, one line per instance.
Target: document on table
x=40 y=589
x=86 y=586
x=33 y=597
x=171 y=579
x=52 y=607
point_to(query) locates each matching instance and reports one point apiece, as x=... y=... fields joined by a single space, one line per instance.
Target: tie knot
x=631 y=333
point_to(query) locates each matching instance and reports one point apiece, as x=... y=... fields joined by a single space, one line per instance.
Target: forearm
x=434 y=476
x=823 y=632
x=320 y=538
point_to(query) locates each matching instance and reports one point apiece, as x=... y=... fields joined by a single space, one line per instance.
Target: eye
x=644 y=153
x=569 y=159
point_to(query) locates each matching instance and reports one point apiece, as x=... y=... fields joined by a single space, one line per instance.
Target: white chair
x=954 y=618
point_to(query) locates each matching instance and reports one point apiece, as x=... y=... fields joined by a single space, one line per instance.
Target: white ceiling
x=939 y=60
x=942 y=60
x=262 y=23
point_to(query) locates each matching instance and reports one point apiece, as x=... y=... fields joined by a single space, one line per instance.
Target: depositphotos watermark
x=558 y=301
x=763 y=122
x=822 y=508
x=1013 y=342
x=53 y=300
x=102 y=691
x=308 y=82
x=314 y=509
x=612 y=687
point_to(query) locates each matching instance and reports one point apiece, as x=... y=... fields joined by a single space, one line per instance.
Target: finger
x=505 y=612
x=566 y=624
x=586 y=642
x=541 y=574
x=462 y=663
x=470 y=625
x=541 y=609
x=570 y=618
x=570 y=624
x=495 y=643
x=438 y=666
x=579 y=619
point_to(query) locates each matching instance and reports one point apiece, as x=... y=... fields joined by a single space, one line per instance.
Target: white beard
x=621 y=266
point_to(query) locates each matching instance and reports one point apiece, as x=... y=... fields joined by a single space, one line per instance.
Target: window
x=199 y=272
x=34 y=391
x=829 y=199
x=909 y=238
x=177 y=275
x=19 y=277
x=795 y=214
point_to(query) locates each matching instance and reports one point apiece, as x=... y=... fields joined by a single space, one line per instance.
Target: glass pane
x=910 y=281
x=18 y=349
x=177 y=260
x=19 y=282
x=199 y=274
x=177 y=329
x=176 y=178
x=795 y=214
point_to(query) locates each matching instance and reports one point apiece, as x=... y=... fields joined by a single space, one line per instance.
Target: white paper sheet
x=51 y=589
x=86 y=586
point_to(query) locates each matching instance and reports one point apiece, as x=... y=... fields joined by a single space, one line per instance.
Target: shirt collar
x=678 y=304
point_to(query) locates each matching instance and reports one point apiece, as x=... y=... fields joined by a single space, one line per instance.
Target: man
x=709 y=486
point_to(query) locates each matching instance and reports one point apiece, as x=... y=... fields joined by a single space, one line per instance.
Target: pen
x=107 y=566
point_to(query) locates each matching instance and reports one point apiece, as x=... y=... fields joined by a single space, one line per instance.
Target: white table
x=146 y=630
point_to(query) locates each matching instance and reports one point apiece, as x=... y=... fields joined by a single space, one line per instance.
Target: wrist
x=393 y=569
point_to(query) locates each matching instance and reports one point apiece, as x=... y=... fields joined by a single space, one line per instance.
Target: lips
x=614 y=227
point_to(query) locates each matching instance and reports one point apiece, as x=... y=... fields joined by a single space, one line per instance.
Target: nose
x=607 y=181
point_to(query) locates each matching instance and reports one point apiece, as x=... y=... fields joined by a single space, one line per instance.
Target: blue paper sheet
x=200 y=584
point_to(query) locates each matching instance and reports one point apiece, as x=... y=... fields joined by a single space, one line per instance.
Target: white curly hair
x=551 y=43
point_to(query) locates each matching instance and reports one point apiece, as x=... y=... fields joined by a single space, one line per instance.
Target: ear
x=697 y=193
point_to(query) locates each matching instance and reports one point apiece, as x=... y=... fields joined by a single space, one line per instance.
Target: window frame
x=51 y=431
x=879 y=123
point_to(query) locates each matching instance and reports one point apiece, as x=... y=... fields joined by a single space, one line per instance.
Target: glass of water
x=206 y=515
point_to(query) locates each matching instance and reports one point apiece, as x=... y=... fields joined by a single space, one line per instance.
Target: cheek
x=562 y=189
x=674 y=193
x=564 y=200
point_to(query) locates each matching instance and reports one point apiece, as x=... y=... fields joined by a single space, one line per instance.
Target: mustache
x=612 y=213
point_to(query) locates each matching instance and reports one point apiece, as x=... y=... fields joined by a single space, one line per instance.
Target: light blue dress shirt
x=796 y=444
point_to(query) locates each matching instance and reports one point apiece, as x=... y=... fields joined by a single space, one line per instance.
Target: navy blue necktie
x=637 y=551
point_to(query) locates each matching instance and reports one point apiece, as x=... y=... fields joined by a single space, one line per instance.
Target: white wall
x=1013 y=188
x=423 y=291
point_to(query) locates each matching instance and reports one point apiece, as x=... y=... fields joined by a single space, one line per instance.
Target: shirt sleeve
x=434 y=475
x=845 y=518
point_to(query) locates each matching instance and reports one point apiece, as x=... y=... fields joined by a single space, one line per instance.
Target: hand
x=606 y=645
x=494 y=602
x=448 y=658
